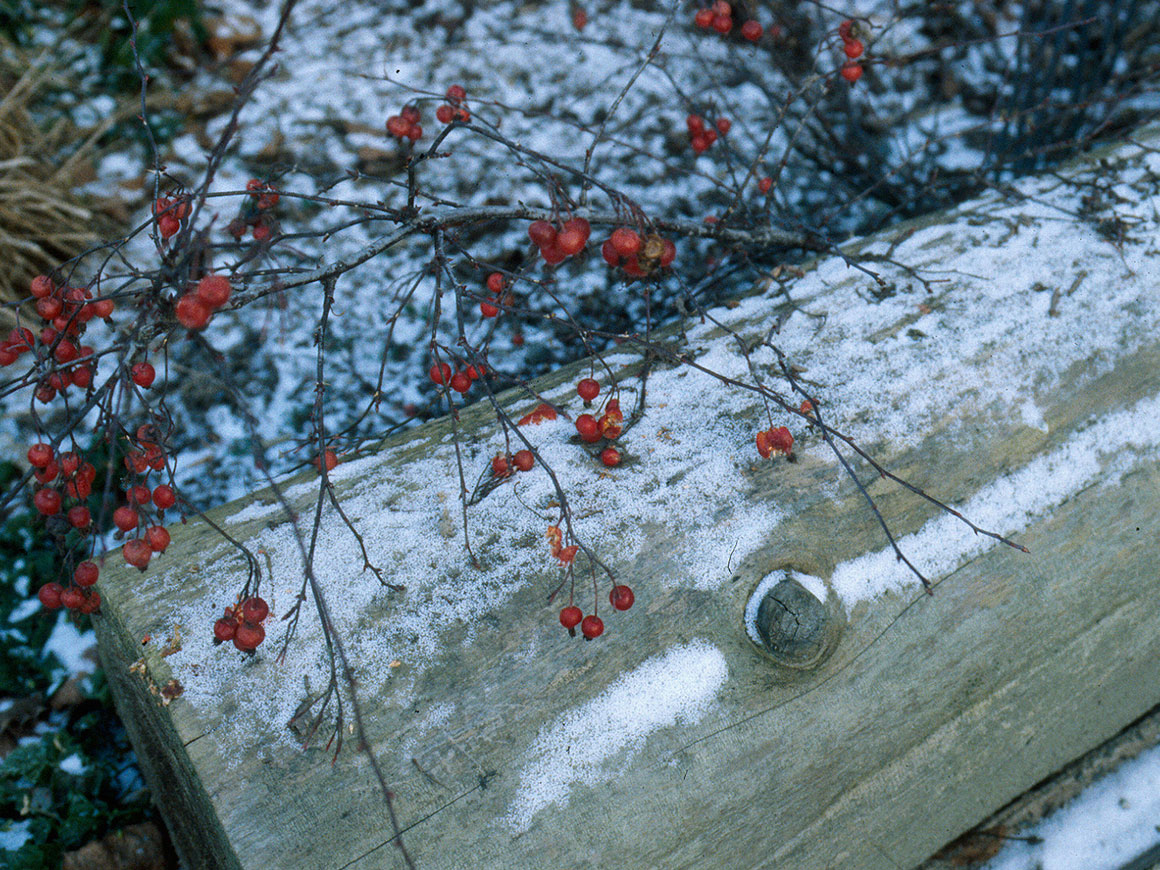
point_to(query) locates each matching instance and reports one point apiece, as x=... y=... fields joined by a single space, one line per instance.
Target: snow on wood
x=1010 y=366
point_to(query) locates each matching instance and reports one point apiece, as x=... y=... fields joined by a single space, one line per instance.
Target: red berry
x=592 y=626
x=39 y=455
x=588 y=389
x=570 y=616
x=47 y=502
x=262 y=232
x=86 y=574
x=397 y=126
x=574 y=236
x=845 y=29
x=444 y=114
x=495 y=282
x=143 y=374
x=125 y=518
x=751 y=30
x=49 y=307
x=137 y=553
x=696 y=124
x=542 y=234
x=439 y=373
x=579 y=18
x=609 y=253
x=410 y=114
x=722 y=23
x=853 y=48
x=710 y=136
x=765 y=184
x=50 y=594
x=487 y=309
x=463 y=115
x=553 y=254
x=330 y=458
x=626 y=242
x=610 y=456
x=588 y=428
x=48 y=473
x=524 y=460
x=157 y=538
x=703 y=18
x=668 y=253
x=224 y=629
x=621 y=597
x=91 y=602
x=164 y=497
x=851 y=71
x=79 y=517
x=168 y=225
x=457 y=93
x=255 y=609
x=699 y=143
x=191 y=312
x=138 y=494
x=72 y=598
x=103 y=307
x=499 y=465
x=41 y=287
x=65 y=351
x=214 y=290
x=82 y=377
x=460 y=382
x=724 y=125
x=248 y=637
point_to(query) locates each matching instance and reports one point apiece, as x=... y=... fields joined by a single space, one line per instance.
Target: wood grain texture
x=931 y=712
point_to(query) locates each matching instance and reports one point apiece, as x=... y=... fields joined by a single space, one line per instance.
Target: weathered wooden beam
x=1010 y=365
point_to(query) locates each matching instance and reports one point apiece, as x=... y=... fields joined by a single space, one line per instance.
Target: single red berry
x=125 y=518
x=460 y=382
x=214 y=290
x=579 y=18
x=703 y=18
x=626 y=242
x=592 y=626
x=143 y=374
x=542 y=234
x=765 y=184
x=444 y=114
x=668 y=253
x=487 y=309
x=439 y=373
x=103 y=307
x=588 y=428
x=79 y=517
x=330 y=458
x=553 y=254
x=621 y=597
x=248 y=637
x=47 y=502
x=41 y=287
x=39 y=455
x=724 y=125
x=168 y=225
x=722 y=7
x=224 y=629
x=86 y=574
x=846 y=29
x=65 y=351
x=137 y=494
x=711 y=135
x=495 y=282
x=853 y=48
x=72 y=598
x=191 y=312
x=414 y=132
x=699 y=143
x=397 y=126
x=609 y=253
x=499 y=465
x=610 y=456
x=524 y=460
x=49 y=307
x=696 y=124
x=851 y=71
x=163 y=496
x=461 y=114
x=50 y=595
x=82 y=377
x=255 y=609
x=570 y=616
x=752 y=30
x=457 y=93
x=48 y=473
x=722 y=23
x=157 y=538
x=69 y=463
x=137 y=553
x=410 y=114
x=574 y=236
x=588 y=389
x=91 y=602
x=477 y=371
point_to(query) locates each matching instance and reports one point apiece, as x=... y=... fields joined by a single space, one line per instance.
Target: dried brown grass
x=43 y=220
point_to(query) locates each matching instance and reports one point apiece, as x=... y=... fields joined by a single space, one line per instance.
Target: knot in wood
x=797 y=629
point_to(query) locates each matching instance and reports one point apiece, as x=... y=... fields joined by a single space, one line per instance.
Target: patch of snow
x=13 y=835
x=71 y=647
x=73 y=765
x=678 y=687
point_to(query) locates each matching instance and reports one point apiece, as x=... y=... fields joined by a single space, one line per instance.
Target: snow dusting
x=678 y=687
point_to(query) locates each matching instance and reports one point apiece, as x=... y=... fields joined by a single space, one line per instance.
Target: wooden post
x=1009 y=366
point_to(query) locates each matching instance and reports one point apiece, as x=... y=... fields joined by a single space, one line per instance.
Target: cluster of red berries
x=775 y=442
x=138 y=551
x=460 y=381
x=79 y=596
x=72 y=478
x=558 y=245
x=852 y=46
x=405 y=125
x=170 y=212
x=636 y=256
x=256 y=214
x=66 y=311
x=608 y=426
x=243 y=624
x=719 y=17
x=502 y=466
x=496 y=283
x=194 y=309
x=702 y=138
x=592 y=626
x=453 y=109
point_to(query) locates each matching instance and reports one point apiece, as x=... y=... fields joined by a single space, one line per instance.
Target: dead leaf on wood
x=973 y=847
x=137 y=847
